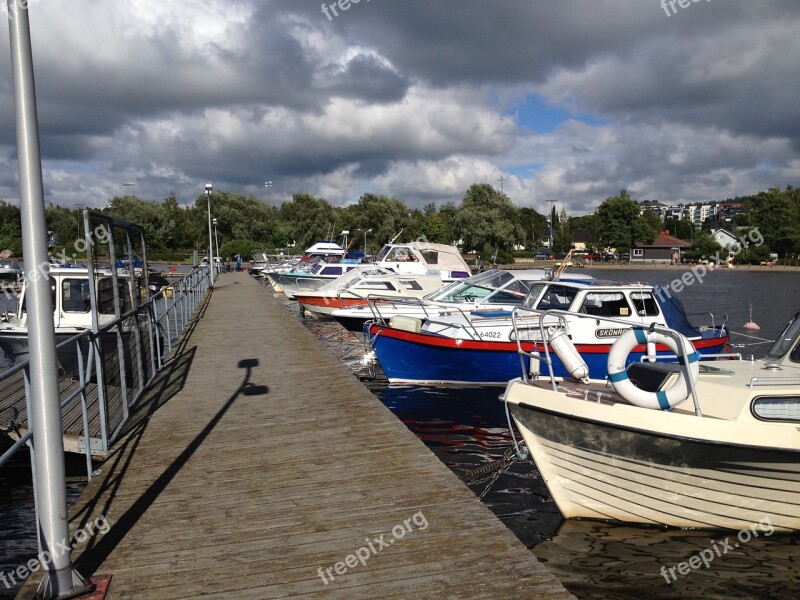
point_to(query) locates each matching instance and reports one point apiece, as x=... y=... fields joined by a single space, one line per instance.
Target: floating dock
x=258 y=466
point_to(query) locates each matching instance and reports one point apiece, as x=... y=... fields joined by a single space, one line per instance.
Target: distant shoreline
x=651 y=266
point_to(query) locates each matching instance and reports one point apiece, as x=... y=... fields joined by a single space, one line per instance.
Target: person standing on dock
x=238 y=262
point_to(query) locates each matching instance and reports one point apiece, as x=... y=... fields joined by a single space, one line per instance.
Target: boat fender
x=405 y=323
x=570 y=357
x=618 y=376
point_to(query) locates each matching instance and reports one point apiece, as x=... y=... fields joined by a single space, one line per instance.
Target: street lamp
x=365 y=238
x=268 y=185
x=216 y=242
x=210 y=247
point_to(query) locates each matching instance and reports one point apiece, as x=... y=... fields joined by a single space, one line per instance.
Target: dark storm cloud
x=392 y=91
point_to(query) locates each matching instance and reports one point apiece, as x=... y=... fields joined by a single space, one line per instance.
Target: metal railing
x=114 y=367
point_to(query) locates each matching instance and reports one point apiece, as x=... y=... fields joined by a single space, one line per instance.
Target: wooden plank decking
x=257 y=462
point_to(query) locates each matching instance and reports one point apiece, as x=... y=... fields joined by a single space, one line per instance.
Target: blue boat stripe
x=615 y=377
x=662 y=400
x=641 y=337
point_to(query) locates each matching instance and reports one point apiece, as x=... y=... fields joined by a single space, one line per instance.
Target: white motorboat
x=723 y=452
x=458 y=347
x=10 y=272
x=496 y=289
x=71 y=313
x=362 y=284
x=413 y=258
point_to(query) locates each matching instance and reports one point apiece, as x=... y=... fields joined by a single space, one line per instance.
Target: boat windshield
x=784 y=340
x=477 y=287
x=382 y=254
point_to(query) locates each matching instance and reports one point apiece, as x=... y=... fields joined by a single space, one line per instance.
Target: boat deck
x=258 y=466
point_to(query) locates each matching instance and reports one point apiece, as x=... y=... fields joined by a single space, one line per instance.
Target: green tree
x=680 y=228
x=306 y=219
x=619 y=224
x=777 y=214
x=705 y=247
x=533 y=228
x=487 y=220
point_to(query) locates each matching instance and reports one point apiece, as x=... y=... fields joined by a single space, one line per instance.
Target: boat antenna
x=395 y=237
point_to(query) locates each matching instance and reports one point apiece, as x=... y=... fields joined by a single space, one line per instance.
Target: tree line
x=486 y=222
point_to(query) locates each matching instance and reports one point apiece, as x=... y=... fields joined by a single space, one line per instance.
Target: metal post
x=60 y=580
x=216 y=241
x=210 y=247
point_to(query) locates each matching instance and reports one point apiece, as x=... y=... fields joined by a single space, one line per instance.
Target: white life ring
x=618 y=376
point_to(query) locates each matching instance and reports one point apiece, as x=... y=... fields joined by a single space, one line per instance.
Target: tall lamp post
x=210 y=247
x=268 y=185
x=216 y=242
x=366 y=231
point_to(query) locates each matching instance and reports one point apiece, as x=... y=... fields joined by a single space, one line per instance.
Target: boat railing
x=114 y=366
x=375 y=303
x=555 y=320
x=704 y=356
x=720 y=330
x=464 y=325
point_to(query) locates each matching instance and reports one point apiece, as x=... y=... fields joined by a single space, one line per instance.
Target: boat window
x=518 y=289
x=331 y=271
x=105 y=296
x=75 y=295
x=557 y=297
x=411 y=284
x=431 y=256
x=606 y=304
x=400 y=254
x=466 y=293
x=533 y=295
x=52 y=297
x=371 y=284
x=644 y=304
x=784 y=341
x=777 y=408
x=505 y=297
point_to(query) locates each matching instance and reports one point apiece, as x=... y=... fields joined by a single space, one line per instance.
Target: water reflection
x=603 y=561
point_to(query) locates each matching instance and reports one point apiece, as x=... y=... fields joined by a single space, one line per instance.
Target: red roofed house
x=665 y=248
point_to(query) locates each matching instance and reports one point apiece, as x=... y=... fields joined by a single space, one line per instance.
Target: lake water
x=466 y=428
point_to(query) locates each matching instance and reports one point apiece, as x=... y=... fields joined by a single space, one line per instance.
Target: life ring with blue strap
x=618 y=376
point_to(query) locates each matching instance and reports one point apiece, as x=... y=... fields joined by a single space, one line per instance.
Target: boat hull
x=602 y=469
x=421 y=358
x=325 y=305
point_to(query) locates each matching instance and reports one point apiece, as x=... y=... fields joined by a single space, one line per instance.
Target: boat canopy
x=434 y=256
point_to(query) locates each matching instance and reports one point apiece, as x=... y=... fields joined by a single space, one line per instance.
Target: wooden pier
x=257 y=466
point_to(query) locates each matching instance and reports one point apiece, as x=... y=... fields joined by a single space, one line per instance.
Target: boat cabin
x=422 y=257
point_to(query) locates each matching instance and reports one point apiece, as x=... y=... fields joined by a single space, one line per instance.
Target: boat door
x=73 y=300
